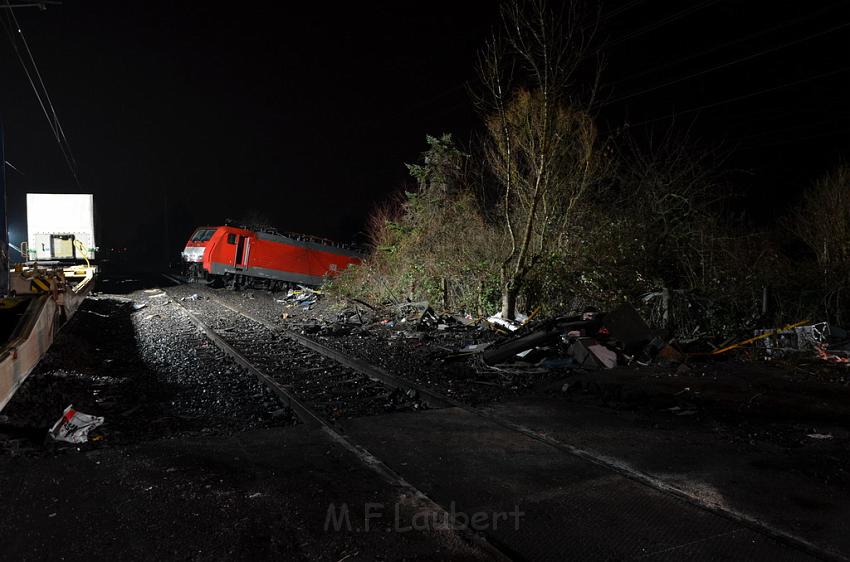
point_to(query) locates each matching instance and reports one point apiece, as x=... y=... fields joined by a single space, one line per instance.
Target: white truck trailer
x=60 y=226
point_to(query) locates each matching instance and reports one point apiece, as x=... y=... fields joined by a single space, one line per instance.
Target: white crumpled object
x=74 y=426
x=520 y=318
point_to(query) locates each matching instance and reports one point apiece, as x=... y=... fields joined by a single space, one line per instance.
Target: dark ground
x=197 y=461
x=766 y=438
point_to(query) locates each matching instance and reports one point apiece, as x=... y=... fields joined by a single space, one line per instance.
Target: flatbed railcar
x=263 y=258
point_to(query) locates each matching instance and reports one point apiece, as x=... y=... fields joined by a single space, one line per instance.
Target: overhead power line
x=43 y=4
x=795 y=140
x=44 y=88
x=832 y=120
x=715 y=48
x=742 y=97
x=617 y=11
x=14 y=31
x=728 y=64
x=662 y=22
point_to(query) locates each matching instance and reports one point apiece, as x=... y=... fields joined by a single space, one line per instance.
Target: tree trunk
x=444 y=287
x=665 y=308
x=509 y=302
x=766 y=315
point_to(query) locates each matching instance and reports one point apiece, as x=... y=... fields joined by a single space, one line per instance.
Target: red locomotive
x=263 y=258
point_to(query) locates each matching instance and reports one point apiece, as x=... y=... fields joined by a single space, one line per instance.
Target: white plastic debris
x=74 y=426
x=476 y=347
x=819 y=436
x=518 y=321
x=192 y=297
x=138 y=305
x=96 y=313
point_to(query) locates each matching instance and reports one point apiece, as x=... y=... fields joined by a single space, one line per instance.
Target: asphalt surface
x=571 y=508
x=256 y=495
x=770 y=485
x=196 y=461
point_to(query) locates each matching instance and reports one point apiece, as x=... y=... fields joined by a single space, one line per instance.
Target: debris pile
x=302 y=297
x=825 y=341
x=407 y=320
x=591 y=340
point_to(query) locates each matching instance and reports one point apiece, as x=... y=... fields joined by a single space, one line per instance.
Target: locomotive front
x=193 y=253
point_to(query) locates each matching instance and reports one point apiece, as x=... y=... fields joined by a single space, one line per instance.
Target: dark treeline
x=543 y=211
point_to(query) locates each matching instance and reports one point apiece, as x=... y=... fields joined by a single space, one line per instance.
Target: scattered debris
x=590 y=340
x=92 y=312
x=838 y=356
x=514 y=325
x=625 y=325
x=475 y=347
x=303 y=297
x=74 y=426
x=589 y=353
x=760 y=335
x=791 y=339
x=819 y=435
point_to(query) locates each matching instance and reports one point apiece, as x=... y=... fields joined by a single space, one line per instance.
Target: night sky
x=187 y=113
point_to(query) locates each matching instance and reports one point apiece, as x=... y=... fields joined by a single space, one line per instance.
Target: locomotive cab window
x=231 y=238
x=202 y=235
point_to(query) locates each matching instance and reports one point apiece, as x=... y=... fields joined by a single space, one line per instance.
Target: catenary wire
x=56 y=120
x=730 y=43
x=742 y=97
x=728 y=64
x=9 y=25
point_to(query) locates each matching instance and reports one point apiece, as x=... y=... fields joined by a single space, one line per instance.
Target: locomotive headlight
x=194 y=254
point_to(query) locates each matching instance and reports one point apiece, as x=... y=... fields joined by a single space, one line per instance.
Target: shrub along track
x=319 y=354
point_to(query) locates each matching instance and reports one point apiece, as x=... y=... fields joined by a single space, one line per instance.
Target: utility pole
x=4 y=230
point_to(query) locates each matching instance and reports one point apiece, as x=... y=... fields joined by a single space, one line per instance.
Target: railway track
x=304 y=397
x=425 y=397
x=332 y=390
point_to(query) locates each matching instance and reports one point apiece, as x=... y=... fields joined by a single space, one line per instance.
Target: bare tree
x=823 y=223
x=669 y=193
x=673 y=187
x=542 y=143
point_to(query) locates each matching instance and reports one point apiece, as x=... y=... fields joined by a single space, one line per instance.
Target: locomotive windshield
x=202 y=234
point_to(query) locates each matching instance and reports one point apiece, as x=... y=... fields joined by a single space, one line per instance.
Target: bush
x=431 y=244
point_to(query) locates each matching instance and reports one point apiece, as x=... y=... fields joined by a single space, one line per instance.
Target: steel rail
x=620 y=467
x=313 y=419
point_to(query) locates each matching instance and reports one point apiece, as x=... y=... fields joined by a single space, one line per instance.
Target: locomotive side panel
x=227 y=251
x=222 y=250
x=280 y=257
x=273 y=260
